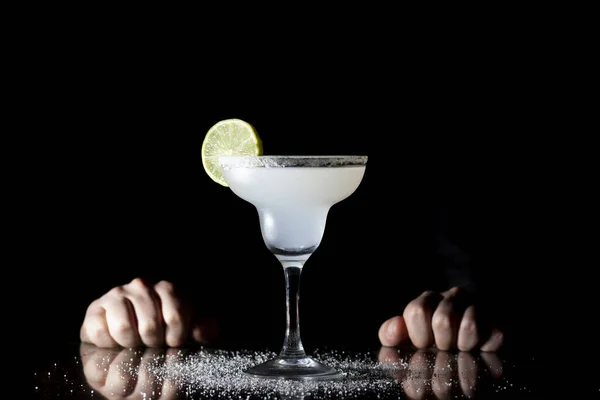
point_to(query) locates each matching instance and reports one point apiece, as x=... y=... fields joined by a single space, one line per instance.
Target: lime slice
x=228 y=137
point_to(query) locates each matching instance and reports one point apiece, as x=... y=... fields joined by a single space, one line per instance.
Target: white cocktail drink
x=293 y=202
x=293 y=195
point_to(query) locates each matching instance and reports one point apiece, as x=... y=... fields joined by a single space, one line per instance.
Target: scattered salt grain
x=220 y=373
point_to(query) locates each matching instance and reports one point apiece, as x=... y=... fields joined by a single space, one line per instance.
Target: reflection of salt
x=218 y=373
x=210 y=373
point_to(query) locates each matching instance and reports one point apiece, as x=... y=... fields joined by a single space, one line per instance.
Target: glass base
x=303 y=368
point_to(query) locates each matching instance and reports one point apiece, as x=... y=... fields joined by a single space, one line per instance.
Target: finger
x=95 y=328
x=467 y=373
x=468 y=335
x=122 y=377
x=446 y=319
x=494 y=342
x=91 y=353
x=388 y=355
x=393 y=332
x=205 y=330
x=493 y=364
x=169 y=385
x=146 y=304
x=175 y=316
x=417 y=316
x=95 y=374
x=390 y=358
x=443 y=375
x=147 y=383
x=86 y=351
x=121 y=319
x=96 y=362
x=418 y=382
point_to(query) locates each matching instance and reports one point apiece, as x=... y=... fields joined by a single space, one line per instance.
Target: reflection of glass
x=293 y=195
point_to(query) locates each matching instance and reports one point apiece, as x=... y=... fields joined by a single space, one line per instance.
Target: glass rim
x=275 y=161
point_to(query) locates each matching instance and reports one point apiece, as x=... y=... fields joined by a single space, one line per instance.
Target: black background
x=110 y=184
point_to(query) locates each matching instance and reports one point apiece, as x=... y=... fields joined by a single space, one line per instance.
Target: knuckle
x=469 y=326
x=421 y=342
x=137 y=282
x=97 y=334
x=175 y=341
x=442 y=344
x=138 y=285
x=165 y=286
x=148 y=328
x=174 y=319
x=455 y=290
x=117 y=291
x=94 y=305
x=121 y=328
x=465 y=347
x=441 y=322
x=414 y=311
x=499 y=337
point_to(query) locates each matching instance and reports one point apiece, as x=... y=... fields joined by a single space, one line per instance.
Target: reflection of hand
x=450 y=320
x=121 y=373
x=445 y=374
x=141 y=314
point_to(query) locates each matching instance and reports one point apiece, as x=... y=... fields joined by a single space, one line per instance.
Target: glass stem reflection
x=292 y=345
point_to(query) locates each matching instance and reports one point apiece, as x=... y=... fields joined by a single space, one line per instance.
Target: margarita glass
x=293 y=195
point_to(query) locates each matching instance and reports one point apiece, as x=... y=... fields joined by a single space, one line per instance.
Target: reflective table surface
x=81 y=371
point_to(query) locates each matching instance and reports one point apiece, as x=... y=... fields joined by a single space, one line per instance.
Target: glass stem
x=292 y=345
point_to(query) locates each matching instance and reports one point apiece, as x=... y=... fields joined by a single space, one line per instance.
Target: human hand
x=139 y=314
x=448 y=320
x=119 y=373
x=432 y=373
